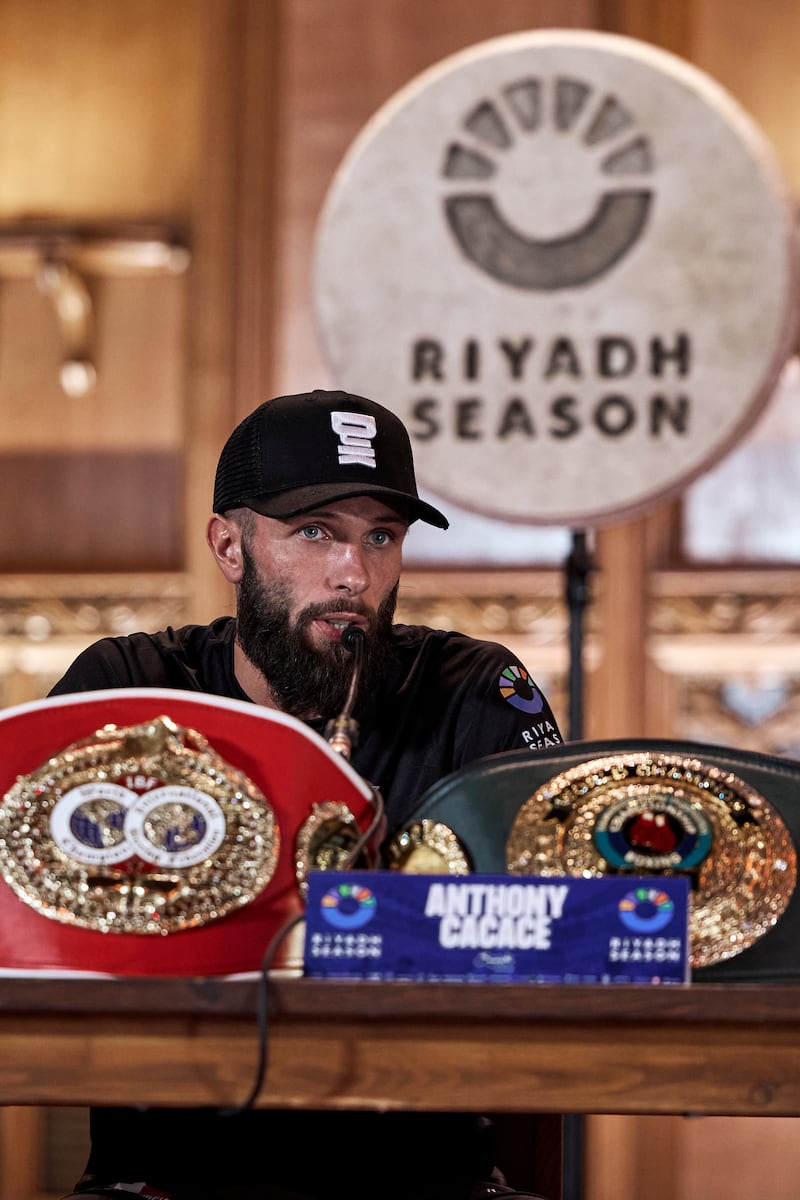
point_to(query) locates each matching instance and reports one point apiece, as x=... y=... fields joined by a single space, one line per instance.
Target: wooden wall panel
x=138 y=348
x=234 y=325
x=752 y=50
x=118 y=512
x=98 y=108
x=99 y=129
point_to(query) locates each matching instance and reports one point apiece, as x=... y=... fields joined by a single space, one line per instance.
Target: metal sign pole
x=578 y=569
x=579 y=566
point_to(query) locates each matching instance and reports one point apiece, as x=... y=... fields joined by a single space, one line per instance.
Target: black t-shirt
x=448 y=701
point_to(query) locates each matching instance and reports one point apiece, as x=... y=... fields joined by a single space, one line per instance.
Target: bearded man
x=313 y=498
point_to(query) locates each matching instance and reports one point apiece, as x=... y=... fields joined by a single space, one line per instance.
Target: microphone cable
x=263 y=1016
x=274 y=944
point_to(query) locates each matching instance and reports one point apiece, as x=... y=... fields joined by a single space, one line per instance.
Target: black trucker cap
x=294 y=453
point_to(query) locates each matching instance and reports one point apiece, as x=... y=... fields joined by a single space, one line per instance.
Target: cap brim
x=296 y=501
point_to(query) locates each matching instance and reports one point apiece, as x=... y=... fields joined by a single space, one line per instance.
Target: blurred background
x=162 y=168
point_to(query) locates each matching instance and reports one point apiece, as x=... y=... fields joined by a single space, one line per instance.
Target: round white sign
x=566 y=260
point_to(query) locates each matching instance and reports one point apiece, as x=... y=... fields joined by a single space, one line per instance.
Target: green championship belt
x=728 y=819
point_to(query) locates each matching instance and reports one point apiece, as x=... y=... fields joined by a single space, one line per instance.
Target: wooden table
x=516 y=1049
x=731 y=1050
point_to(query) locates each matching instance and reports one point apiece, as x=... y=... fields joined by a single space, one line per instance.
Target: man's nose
x=347 y=569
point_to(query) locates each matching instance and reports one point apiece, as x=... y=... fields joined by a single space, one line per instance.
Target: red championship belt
x=159 y=832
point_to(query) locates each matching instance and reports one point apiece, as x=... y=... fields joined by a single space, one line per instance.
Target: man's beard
x=306 y=680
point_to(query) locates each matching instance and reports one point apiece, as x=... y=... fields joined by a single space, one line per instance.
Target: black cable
x=266 y=964
x=263 y=1021
x=367 y=836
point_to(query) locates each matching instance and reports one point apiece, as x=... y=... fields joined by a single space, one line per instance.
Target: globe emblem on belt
x=99 y=823
x=170 y=826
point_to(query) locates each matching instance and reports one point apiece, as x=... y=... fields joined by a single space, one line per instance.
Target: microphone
x=342 y=732
x=353 y=638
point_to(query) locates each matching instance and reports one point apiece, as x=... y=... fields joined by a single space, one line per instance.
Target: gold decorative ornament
x=427 y=848
x=140 y=829
x=648 y=814
x=325 y=841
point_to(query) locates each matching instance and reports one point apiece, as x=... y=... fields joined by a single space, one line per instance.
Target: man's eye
x=312 y=532
x=380 y=537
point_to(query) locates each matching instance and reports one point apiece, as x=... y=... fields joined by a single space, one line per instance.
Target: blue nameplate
x=497 y=928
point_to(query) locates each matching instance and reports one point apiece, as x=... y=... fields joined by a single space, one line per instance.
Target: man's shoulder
x=170 y=657
x=185 y=642
x=477 y=691
x=446 y=644
x=192 y=640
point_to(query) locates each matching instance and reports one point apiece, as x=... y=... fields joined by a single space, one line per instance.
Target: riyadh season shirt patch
x=518 y=690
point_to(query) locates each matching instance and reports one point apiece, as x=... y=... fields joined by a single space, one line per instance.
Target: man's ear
x=224 y=537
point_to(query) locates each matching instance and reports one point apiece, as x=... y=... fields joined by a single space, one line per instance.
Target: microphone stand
x=579 y=566
x=341 y=733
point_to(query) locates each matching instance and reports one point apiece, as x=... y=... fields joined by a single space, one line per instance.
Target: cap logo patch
x=355 y=431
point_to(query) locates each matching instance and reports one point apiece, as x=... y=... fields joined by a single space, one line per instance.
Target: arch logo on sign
x=566 y=260
x=502 y=129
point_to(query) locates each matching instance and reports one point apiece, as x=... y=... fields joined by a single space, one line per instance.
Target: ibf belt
x=132 y=813
x=142 y=829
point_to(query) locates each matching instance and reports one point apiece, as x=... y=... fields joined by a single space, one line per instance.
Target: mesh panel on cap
x=239 y=469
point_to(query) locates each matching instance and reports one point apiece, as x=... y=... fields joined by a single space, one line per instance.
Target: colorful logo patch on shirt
x=517 y=690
